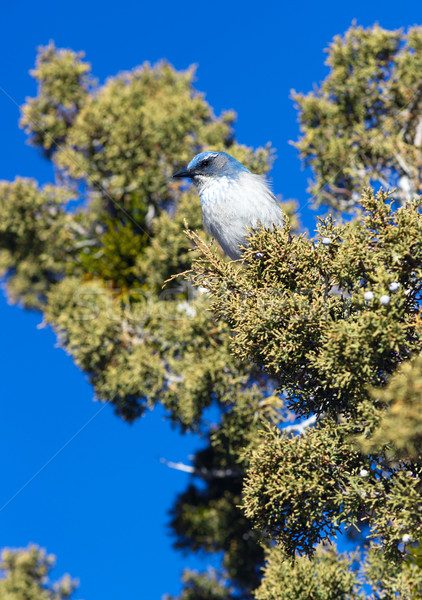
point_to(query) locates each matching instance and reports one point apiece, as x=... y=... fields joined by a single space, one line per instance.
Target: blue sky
x=100 y=505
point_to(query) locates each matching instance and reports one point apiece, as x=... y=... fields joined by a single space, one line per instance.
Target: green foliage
x=115 y=259
x=145 y=350
x=300 y=309
x=328 y=576
x=64 y=83
x=169 y=251
x=26 y=576
x=363 y=124
x=334 y=576
x=133 y=134
x=400 y=425
x=208 y=516
x=302 y=489
x=298 y=306
x=389 y=579
x=97 y=273
x=327 y=326
x=36 y=238
x=201 y=586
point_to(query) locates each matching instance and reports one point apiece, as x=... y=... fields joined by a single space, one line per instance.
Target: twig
x=203 y=472
x=300 y=427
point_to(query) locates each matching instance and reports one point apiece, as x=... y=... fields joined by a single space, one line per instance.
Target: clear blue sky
x=100 y=505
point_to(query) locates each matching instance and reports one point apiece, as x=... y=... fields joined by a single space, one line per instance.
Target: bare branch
x=178 y=466
x=204 y=473
x=418 y=134
x=300 y=427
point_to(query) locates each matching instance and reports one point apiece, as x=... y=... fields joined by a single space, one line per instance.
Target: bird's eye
x=206 y=162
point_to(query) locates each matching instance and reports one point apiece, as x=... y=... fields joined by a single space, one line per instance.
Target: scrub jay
x=232 y=199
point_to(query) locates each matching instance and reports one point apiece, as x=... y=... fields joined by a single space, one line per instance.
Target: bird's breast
x=230 y=205
x=216 y=191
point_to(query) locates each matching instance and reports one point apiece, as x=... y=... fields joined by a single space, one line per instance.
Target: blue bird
x=232 y=199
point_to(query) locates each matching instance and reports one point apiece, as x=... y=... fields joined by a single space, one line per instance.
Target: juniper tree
x=363 y=124
x=336 y=320
x=25 y=576
x=97 y=272
x=325 y=327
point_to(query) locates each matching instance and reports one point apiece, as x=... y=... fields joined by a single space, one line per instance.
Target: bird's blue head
x=211 y=165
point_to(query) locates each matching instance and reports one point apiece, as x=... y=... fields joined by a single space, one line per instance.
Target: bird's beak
x=182 y=173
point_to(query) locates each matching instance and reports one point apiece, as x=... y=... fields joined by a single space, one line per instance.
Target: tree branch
x=203 y=473
x=300 y=427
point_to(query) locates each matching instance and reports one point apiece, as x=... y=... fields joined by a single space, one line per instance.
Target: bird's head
x=210 y=165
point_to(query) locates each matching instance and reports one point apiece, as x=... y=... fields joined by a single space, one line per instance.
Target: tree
x=336 y=320
x=97 y=271
x=326 y=329
x=26 y=576
x=363 y=125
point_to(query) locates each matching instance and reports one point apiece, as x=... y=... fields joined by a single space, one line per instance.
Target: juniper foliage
x=363 y=124
x=331 y=318
x=25 y=576
x=93 y=251
x=324 y=327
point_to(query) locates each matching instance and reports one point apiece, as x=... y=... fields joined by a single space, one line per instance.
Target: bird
x=232 y=199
